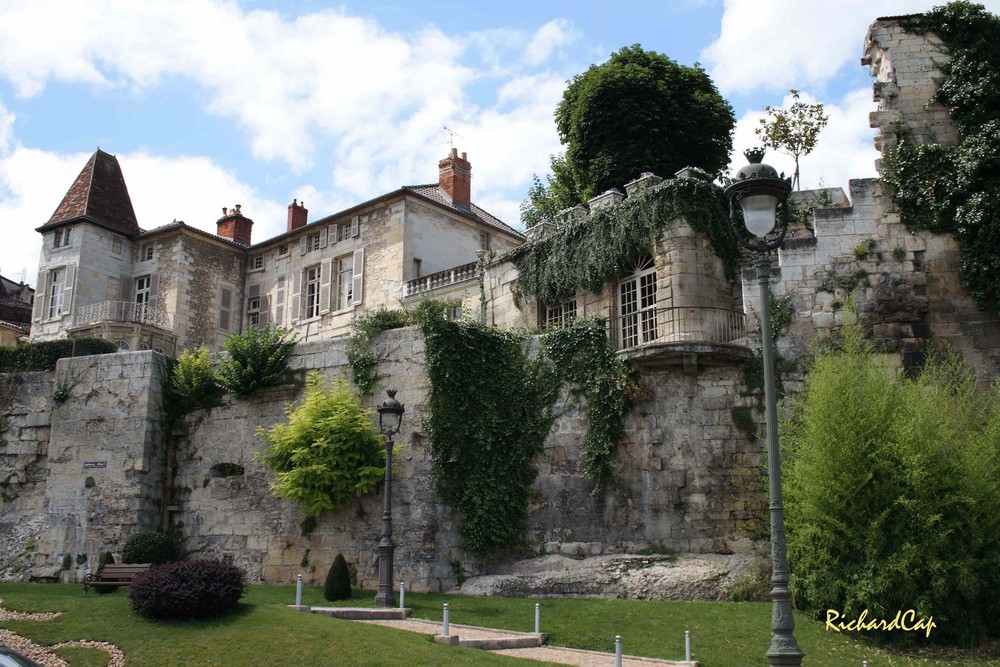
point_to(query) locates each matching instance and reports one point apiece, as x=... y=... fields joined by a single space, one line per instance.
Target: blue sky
x=209 y=103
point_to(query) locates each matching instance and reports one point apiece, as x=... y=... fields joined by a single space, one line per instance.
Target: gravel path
x=44 y=655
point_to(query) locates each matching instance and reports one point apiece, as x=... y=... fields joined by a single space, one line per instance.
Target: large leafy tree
x=641 y=112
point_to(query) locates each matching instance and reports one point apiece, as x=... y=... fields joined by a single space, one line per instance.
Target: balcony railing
x=681 y=325
x=444 y=278
x=121 y=311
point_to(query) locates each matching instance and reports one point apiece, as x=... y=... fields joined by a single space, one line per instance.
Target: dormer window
x=282 y=250
x=61 y=239
x=313 y=242
x=257 y=262
x=147 y=253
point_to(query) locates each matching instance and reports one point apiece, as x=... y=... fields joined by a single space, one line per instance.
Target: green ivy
x=360 y=355
x=951 y=189
x=589 y=252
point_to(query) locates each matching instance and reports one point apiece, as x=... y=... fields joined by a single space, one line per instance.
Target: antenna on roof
x=451 y=136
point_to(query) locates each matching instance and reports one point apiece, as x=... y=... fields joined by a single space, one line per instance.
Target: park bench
x=113 y=575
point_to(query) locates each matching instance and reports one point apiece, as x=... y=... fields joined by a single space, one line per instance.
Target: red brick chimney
x=298 y=215
x=456 y=179
x=234 y=225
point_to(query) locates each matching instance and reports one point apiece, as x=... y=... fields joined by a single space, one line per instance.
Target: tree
x=338 y=580
x=793 y=131
x=546 y=200
x=641 y=112
x=327 y=451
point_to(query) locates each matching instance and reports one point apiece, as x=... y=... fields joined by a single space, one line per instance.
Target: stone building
x=175 y=286
x=16 y=301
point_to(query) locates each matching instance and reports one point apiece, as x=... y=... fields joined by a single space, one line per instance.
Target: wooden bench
x=113 y=575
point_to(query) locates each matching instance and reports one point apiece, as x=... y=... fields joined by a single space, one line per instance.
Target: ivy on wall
x=360 y=355
x=951 y=188
x=589 y=252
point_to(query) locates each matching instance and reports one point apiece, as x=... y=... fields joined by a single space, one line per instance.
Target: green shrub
x=257 y=359
x=150 y=547
x=364 y=360
x=338 y=580
x=105 y=558
x=185 y=590
x=43 y=356
x=193 y=383
x=893 y=493
x=327 y=451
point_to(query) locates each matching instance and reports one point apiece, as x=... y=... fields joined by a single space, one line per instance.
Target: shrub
x=893 y=493
x=193 y=383
x=328 y=450
x=150 y=547
x=257 y=359
x=338 y=580
x=188 y=589
x=105 y=559
x=43 y=356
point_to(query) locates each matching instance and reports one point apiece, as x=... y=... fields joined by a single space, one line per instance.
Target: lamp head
x=390 y=414
x=758 y=190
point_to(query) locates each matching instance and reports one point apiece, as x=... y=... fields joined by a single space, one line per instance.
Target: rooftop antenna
x=451 y=136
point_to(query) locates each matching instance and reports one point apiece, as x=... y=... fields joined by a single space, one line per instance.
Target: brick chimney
x=234 y=225
x=298 y=215
x=456 y=179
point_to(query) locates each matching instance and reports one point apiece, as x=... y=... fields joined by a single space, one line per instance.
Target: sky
x=211 y=103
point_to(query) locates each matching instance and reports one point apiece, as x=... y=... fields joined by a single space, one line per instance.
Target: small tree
x=327 y=451
x=193 y=383
x=793 y=131
x=338 y=580
x=258 y=358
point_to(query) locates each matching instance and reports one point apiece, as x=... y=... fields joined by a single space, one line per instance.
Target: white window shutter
x=265 y=310
x=125 y=286
x=41 y=295
x=325 y=278
x=355 y=226
x=279 y=302
x=303 y=244
x=359 y=282
x=66 y=300
x=226 y=302
x=322 y=237
x=154 y=290
x=296 y=303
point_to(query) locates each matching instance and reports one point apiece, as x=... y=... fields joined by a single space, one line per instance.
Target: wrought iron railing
x=121 y=311
x=444 y=278
x=681 y=325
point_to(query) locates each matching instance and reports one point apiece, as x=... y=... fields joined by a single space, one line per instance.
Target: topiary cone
x=338 y=580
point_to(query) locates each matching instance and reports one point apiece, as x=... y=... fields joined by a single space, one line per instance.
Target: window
x=637 y=305
x=257 y=262
x=344 y=297
x=560 y=315
x=484 y=241
x=312 y=291
x=282 y=250
x=122 y=345
x=116 y=244
x=312 y=242
x=253 y=311
x=61 y=239
x=147 y=253
x=142 y=291
x=56 y=279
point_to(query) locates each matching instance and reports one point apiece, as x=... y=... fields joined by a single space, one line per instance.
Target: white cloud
x=782 y=44
x=6 y=128
x=550 y=37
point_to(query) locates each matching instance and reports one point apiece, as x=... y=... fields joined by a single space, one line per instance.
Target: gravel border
x=44 y=654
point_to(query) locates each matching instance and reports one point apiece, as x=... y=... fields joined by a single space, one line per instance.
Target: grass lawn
x=263 y=631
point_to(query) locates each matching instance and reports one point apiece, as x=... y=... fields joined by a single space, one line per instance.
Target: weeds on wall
x=589 y=252
x=360 y=356
x=952 y=188
x=193 y=382
x=258 y=358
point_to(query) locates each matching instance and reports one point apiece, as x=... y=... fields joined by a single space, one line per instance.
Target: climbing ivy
x=587 y=253
x=951 y=189
x=360 y=355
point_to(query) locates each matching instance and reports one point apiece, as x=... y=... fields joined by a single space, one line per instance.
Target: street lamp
x=390 y=417
x=758 y=190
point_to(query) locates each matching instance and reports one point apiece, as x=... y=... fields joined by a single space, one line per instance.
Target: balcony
x=684 y=335
x=121 y=311
x=433 y=281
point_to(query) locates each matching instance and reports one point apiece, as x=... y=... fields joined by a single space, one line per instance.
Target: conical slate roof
x=99 y=195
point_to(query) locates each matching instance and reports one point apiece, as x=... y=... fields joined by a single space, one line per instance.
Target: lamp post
x=390 y=417
x=758 y=190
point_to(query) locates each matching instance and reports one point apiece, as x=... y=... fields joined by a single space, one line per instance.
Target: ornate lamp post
x=758 y=190
x=390 y=417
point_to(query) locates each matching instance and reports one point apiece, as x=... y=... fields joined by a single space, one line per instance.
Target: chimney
x=298 y=215
x=234 y=225
x=456 y=179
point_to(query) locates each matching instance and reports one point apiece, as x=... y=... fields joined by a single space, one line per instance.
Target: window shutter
x=279 y=306
x=154 y=291
x=325 y=279
x=125 y=285
x=66 y=299
x=359 y=283
x=322 y=237
x=355 y=226
x=41 y=295
x=296 y=303
x=303 y=244
x=226 y=303
x=253 y=291
x=265 y=310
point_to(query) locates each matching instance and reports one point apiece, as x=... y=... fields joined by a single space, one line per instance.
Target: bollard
x=444 y=630
x=538 y=618
x=618 y=651
x=864 y=663
x=298 y=591
x=687 y=646
x=402 y=594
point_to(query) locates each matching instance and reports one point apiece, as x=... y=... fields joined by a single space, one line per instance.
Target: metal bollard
x=298 y=591
x=687 y=646
x=538 y=618
x=864 y=663
x=444 y=630
x=402 y=594
x=618 y=651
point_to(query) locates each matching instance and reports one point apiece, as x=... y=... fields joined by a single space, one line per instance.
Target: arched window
x=637 y=304
x=122 y=345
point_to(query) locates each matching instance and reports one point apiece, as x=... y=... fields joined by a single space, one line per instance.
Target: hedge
x=43 y=356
